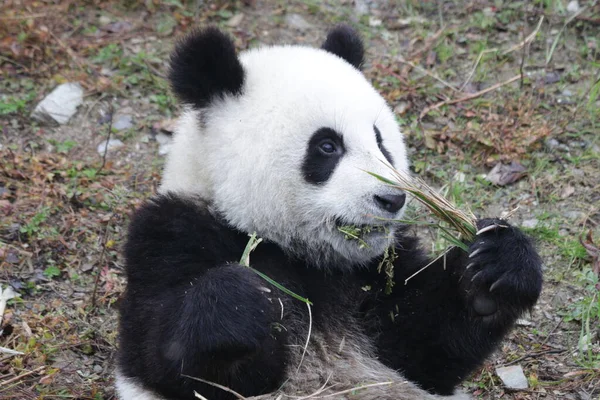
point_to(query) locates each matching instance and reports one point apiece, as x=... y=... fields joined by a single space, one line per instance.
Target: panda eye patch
x=382 y=148
x=323 y=153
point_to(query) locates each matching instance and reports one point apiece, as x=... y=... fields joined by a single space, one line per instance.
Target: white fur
x=129 y=389
x=245 y=153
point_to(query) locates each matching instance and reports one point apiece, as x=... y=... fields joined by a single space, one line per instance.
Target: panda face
x=288 y=156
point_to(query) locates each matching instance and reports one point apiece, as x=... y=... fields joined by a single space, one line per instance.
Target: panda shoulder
x=172 y=231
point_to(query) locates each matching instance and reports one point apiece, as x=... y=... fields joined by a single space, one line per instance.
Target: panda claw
x=470 y=266
x=486 y=229
x=475 y=276
x=473 y=254
x=496 y=284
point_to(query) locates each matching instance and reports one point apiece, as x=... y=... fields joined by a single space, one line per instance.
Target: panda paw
x=232 y=305
x=503 y=271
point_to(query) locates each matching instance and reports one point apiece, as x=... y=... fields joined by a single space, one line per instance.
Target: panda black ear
x=344 y=42
x=203 y=66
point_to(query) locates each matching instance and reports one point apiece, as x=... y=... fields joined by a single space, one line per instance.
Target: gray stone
x=122 y=122
x=551 y=143
x=512 y=377
x=112 y=144
x=573 y=6
x=297 y=21
x=164 y=143
x=530 y=223
x=60 y=105
x=574 y=215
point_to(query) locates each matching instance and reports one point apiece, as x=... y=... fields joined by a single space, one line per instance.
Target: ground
x=475 y=85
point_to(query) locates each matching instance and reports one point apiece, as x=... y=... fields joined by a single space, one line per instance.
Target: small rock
x=504 y=174
x=551 y=77
x=374 y=22
x=110 y=145
x=97 y=369
x=573 y=6
x=512 y=377
x=578 y=143
x=104 y=20
x=567 y=93
x=298 y=22
x=122 y=122
x=235 y=20
x=574 y=215
x=401 y=108
x=530 y=223
x=164 y=143
x=60 y=105
x=361 y=7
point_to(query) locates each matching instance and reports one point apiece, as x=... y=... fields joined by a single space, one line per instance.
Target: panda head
x=279 y=141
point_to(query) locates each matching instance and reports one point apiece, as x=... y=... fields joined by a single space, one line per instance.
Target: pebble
x=112 y=144
x=298 y=22
x=574 y=215
x=530 y=223
x=573 y=6
x=164 y=143
x=235 y=20
x=512 y=377
x=123 y=122
x=60 y=105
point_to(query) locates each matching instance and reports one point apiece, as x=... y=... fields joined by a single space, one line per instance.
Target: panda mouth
x=361 y=231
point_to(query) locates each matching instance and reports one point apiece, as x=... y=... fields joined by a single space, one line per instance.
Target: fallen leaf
x=504 y=174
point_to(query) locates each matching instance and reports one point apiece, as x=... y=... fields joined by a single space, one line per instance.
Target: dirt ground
x=476 y=85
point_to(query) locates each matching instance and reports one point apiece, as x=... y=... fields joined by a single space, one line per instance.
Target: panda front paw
x=228 y=311
x=503 y=272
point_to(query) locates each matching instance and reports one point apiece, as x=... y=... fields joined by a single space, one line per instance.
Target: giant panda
x=277 y=141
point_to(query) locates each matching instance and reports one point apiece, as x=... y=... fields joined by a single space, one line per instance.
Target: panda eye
x=327 y=147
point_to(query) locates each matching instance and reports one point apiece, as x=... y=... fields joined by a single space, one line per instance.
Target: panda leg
x=441 y=324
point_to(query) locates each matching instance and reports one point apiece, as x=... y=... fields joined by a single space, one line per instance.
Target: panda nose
x=390 y=202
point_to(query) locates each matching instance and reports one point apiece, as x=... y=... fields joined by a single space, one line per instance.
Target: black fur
x=190 y=309
x=344 y=42
x=204 y=66
x=318 y=166
x=382 y=148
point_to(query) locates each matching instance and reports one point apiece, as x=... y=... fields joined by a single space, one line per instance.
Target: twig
x=428 y=265
x=100 y=262
x=552 y=331
x=533 y=355
x=70 y=52
x=468 y=97
x=527 y=40
x=392 y=73
x=352 y=390
x=19 y=17
x=13 y=62
x=111 y=110
x=10 y=351
x=225 y=388
x=558 y=35
x=430 y=41
x=519 y=45
x=307 y=337
x=434 y=76
x=19 y=377
x=477 y=61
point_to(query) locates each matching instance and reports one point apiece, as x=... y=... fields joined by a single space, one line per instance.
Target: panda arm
x=189 y=311
x=443 y=323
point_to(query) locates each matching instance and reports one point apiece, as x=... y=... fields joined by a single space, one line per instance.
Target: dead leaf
x=593 y=251
x=567 y=191
x=504 y=174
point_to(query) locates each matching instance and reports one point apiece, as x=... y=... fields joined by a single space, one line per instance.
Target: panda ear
x=344 y=42
x=204 y=66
